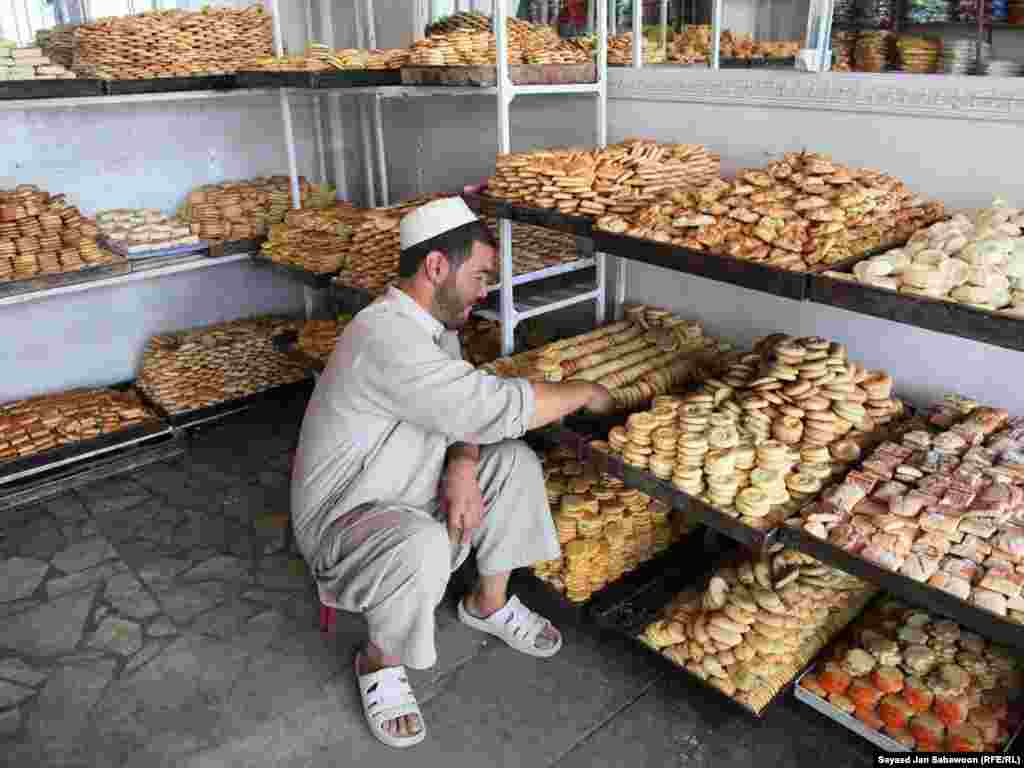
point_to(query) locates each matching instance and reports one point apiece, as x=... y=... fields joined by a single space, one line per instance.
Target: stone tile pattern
x=158 y=620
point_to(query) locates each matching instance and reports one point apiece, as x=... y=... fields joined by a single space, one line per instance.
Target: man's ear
x=436 y=267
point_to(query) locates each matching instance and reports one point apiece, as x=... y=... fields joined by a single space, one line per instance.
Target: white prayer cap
x=433 y=219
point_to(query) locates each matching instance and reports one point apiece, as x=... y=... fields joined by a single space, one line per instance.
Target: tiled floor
x=154 y=620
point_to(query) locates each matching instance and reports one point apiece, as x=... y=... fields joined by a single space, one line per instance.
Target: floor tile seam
x=599 y=726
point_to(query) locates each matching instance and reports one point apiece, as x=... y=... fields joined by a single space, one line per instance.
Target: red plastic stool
x=328 y=619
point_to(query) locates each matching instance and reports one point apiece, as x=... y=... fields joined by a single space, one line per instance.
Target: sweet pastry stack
x=799 y=214
x=605 y=529
x=693 y=45
x=321 y=58
x=844 y=43
x=58 y=44
x=29 y=64
x=467 y=39
x=173 y=43
x=242 y=210
x=757 y=623
x=946 y=508
x=187 y=370
x=620 y=50
x=41 y=234
x=763 y=439
x=621 y=179
x=637 y=359
x=634 y=361
x=874 y=51
x=317 y=337
x=372 y=259
x=918 y=55
x=139 y=230
x=314 y=240
x=975 y=258
x=922 y=681
x=28 y=427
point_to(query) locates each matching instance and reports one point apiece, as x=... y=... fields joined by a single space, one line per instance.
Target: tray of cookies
x=964 y=277
x=42 y=433
x=146 y=233
x=909 y=681
x=207 y=373
x=750 y=625
x=607 y=530
x=935 y=517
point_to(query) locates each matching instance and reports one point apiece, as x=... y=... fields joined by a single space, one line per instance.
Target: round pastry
x=917 y=694
x=928 y=730
x=887 y=679
x=919 y=659
x=894 y=711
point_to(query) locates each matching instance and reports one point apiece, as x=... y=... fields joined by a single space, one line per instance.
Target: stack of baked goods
x=799 y=214
x=58 y=44
x=314 y=240
x=42 y=234
x=923 y=682
x=637 y=359
x=761 y=439
x=693 y=45
x=975 y=258
x=534 y=248
x=321 y=58
x=317 y=337
x=29 y=63
x=946 y=508
x=137 y=230
x=173 y=43
x=620 y=50
x=622 y=179
x=467 y=39
x=757 y=623
x=605 y=529
x=374 y=248
x=244 y=210
x=193 y=369
x=28 y=427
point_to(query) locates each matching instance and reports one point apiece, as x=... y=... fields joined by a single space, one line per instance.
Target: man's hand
x=462 y=499
x=601 y=402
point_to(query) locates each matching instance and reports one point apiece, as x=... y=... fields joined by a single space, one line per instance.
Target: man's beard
x=448 y=306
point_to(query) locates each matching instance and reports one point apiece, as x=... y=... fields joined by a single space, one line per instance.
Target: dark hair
x=456 y=244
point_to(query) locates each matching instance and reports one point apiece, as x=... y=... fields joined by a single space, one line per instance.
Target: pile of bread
x=311 y=239
x=941 y=507
x=322 y=58
x=693 y=45
x=798 y=213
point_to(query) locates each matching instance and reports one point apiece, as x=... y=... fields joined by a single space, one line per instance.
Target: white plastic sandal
x=386 y=694
x=516 y=624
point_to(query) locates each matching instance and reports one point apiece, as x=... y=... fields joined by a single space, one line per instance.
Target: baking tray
x=342 y=78
x=919 y=311
x=304 y=276
x=218 y=411
x=48 y=282
x=487 y=76
x=549 y=218
x=725 y=269
x=162 y=254
x=12 y=470
x=170 y=84
x=222 y=248
x=935 y=600
x=37 y=488
x=851 y=723
x=49 y=89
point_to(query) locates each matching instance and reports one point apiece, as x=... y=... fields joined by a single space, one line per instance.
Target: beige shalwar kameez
x=395 y=395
